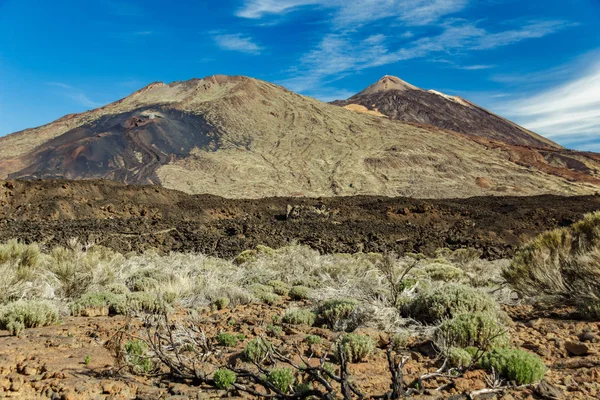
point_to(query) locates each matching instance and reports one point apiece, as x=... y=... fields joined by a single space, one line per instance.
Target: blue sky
x=534 y=61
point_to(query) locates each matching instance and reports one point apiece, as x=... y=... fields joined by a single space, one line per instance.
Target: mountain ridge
x=241 y=137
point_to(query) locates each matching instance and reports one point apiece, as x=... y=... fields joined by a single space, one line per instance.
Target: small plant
x=241 y=337
x=337 y=314
x=478 y=329
x=448 y=301
x=279 y=287
x=400 y=341
x=357 y=347
x=224 y=378
x=87 y=360
x=265 y=294
x=136 y=354
x=94 y=303
x=221 y=303
x=459 y=358
x=257 y=350
x=16 y=317
x=300 y=293
x=298 y=317
x=146 y=302
x=226 y=339
x=312 y=340
x=275 y=330
x=514 y=365
x=281 y=378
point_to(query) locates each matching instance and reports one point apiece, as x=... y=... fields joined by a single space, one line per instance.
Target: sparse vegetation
x=20 y=315
x=300 y=292
x=257 y=350
x=478 y=329
x=224 y=378
x=227 y=339
x=448 y=301
x=357 y=347
x=282 y=379
x=337 y=314
x=562 y=265
x=515 y=365
x=296 y=317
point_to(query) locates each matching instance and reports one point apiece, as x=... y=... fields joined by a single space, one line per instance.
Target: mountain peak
x=388 y=82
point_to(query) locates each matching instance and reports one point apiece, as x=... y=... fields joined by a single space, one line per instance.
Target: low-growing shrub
x=224 y=378
x=446 y=272
x=227 y=339
x=265 y=294
x=448 y=301
x=298 y=317
x=245 y=256
x=16 y=317
x=95 y=302
x=478 y=329
x=279 y=287
x=459 y=358
x=514 y=365
x=274 y=330
x=136 y=351
x=300 y=293
x=357 y=347
x=257 y=349
x=337 y=314
x=18 y=265
x=281 y=378
x=312 y=340
x=147 y=302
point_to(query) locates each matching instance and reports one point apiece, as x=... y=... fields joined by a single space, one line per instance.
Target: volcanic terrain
x=239 y=137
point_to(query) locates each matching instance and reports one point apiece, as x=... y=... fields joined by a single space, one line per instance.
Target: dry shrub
x=562 y=264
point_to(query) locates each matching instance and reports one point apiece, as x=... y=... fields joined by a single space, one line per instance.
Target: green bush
x=265 y=294
x=515 y=365
x=227 y=339
x=439 y=271
x=274 y=330
x=224 y=378
x=337 y=314
x=257 y=349
x=312 y=340
x=22 y=314
x=459 y=358
x=357 y=347
x=115 y=303
x=478 y=329
x=448 y=301
x=281 y=378
x=279 y=287
x=298 y=317
x=136 y=351
x=300 y=293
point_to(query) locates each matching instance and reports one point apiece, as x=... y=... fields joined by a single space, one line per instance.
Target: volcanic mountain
x=399 y=100
x=241 y=137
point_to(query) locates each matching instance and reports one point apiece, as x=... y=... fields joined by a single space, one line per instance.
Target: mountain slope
x=402 y=101
x=241 y=137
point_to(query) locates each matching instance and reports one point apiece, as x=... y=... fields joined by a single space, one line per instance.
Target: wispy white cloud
x=568 y=111
x=352 y=13
x=75 y=94
x=341 y=53
x=475 y=67
x=60 y=85
x=236 y=42
x=143 y=33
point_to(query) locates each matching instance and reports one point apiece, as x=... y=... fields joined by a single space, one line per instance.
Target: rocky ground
x=136 y=218
x=74 y=360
